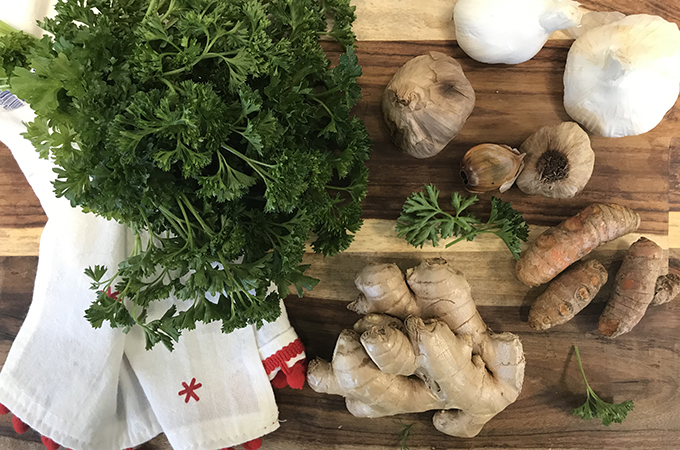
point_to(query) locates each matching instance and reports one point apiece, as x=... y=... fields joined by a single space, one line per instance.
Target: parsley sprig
x=217 y=131
x=404 y=436
x=422 y=219
x=595 y=407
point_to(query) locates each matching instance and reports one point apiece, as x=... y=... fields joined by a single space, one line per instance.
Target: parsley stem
x=174 y=221
x=159 y=278
x=326 y=92
x=190 y=233
x=473 y=232
x=137 y=248
x=252 y=163
x=222 y=55
x=6 y=29
x=462 y=238
x=169 y=11
x=590 y=392
x=212 y=42
x=153 y=8
x=122 y=294
x=191 y=209
x=338 y=188
x=169 y=85
x=580 y=365
x=208 y=44
x=149 y=228
x=204 y=56
x=324 y=107
x=175 y=72
x=445 y=214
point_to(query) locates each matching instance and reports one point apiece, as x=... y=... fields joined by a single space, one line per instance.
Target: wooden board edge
x=673 y=229
x=379 y=235
x=376 y=235
x=20 y=241
x=387 y=20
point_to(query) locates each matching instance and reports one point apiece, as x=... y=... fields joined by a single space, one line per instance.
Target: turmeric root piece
x=667 y=288
x=567 y=294
x=460 y=367
x=560 y=246
x=633 y=290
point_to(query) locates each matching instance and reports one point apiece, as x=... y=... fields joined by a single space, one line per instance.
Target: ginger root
x=560 y=246
x=634 y=288
x=567 y=294
x=441 y=357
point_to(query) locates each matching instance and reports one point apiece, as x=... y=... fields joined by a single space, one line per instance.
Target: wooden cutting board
x=512 y=102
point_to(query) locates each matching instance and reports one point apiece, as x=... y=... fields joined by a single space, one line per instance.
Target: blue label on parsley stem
x=9 y=101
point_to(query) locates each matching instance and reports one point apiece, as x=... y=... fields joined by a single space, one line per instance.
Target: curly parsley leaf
x=595 y=407
x=15 y=48
x=422 y=219
x=507 y=224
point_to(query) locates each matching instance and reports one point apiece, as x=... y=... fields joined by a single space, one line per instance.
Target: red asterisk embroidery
x=189 y=390
x=113 y=295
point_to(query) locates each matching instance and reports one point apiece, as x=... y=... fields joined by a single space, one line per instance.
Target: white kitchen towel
x=62 y=377
x=282 y=353
x=100 y=389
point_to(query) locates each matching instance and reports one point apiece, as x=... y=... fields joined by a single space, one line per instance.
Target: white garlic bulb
x=593 y=19
x=510 y=31
x=622 y=78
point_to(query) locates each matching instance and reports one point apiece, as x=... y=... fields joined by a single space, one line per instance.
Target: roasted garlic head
x=426 y=104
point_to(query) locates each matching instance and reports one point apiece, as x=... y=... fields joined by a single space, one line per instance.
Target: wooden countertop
x=513 y=101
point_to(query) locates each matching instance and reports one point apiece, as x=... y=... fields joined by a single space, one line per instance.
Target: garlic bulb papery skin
x=510 y=31
x=622 y=78
x=593 y=19
x=559 y=161
x=426 y=103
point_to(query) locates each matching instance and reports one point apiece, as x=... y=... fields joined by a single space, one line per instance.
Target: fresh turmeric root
x=560 y=246
x=460 y=367
x=667 y=288
x=633 y=290
x=567 y=294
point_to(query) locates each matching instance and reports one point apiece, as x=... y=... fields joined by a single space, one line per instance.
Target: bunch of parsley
x=218 y=132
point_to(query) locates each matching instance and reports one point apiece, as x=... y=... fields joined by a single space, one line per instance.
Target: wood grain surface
x=512 y=102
